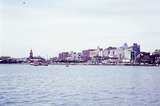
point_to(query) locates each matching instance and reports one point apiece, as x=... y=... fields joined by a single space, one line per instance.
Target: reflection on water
x=56 y=85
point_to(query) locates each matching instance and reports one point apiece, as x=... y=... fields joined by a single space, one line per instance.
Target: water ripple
x=95 y=86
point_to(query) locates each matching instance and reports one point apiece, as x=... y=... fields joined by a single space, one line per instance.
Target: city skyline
x=49 y=27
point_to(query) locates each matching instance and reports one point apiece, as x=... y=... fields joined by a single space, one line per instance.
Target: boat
x=39 y=64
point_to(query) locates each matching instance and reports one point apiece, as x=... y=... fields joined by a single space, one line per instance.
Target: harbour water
x=78 y=85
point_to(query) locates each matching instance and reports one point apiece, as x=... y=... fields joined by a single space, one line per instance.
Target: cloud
x=90 y=7
x=51 y=26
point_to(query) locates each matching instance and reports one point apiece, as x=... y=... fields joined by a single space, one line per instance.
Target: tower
x=31 y=54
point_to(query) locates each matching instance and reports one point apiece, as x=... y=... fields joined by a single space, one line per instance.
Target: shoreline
x=150 y=65
x=87 y=64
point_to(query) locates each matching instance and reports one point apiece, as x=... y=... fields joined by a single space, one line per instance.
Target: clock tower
x=31 y=54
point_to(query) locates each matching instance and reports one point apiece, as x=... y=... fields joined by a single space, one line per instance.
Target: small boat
x=67 y=65
x=34 y=64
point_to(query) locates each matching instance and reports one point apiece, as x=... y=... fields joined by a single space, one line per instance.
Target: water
x=56 y=85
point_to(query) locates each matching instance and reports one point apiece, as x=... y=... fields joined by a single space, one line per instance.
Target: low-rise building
x=156 y=56
x=32 y=58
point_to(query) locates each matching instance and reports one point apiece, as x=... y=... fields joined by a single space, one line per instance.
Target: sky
x=52 y=26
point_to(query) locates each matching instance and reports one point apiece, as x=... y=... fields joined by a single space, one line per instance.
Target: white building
x=123 y=53
x=95 y=52
x=100 y=51
x=127 y=55
x=110 y=52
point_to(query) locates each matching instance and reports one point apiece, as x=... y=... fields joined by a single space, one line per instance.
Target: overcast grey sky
x=52 y=26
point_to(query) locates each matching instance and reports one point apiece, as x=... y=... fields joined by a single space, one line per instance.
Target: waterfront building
x=110 y=55
x=117 y=54
x=96 y=52
x=93 y=53
x=122 y=54
x=73 y=56
x=148 y=58
x=156 y=56
x=32 y=58
x=4 y=59
x=36 y=59
x=80 y=59
x=157 y=52
x=130 y=54
x=53 y=60
x=110 y=52
x=87 y=54
x=63 y=56
x=144 y=57
x=135 y=52
x=10 y=60
x=100 y=51
x=70 y=57
x=127 y=55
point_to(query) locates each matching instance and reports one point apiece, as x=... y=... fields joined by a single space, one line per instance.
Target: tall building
x=127 y=54
x=135 y=51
